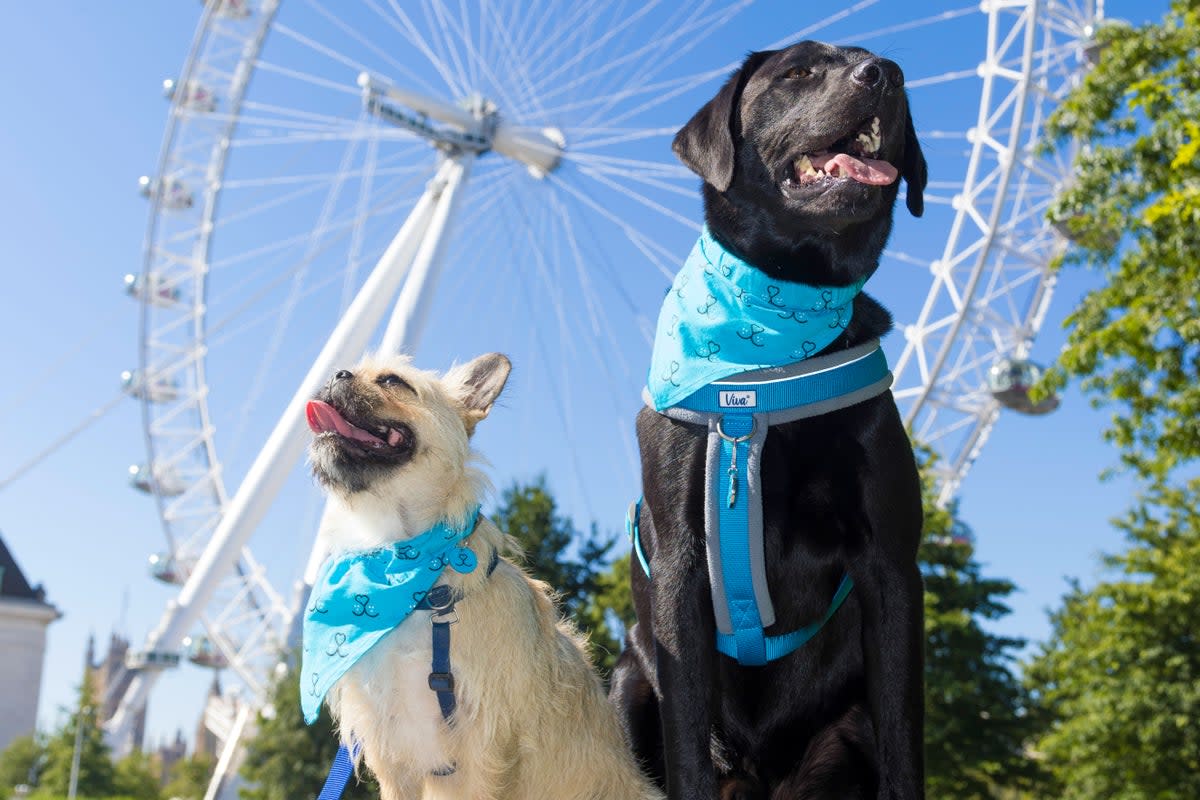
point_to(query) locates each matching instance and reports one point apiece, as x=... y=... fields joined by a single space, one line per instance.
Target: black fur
x=842 y=717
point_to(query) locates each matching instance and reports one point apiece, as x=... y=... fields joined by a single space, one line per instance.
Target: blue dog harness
x=738 y=401
x=360 y=597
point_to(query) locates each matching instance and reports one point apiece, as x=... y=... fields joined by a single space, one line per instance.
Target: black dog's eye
x=797 y=72
x=390 y=379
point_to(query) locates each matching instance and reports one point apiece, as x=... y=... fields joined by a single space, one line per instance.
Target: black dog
x=842 y=717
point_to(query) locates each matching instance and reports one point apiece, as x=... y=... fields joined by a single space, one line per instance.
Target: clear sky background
x=83 y=118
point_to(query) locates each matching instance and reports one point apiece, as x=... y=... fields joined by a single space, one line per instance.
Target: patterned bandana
x=723 y=316
x=359 y=597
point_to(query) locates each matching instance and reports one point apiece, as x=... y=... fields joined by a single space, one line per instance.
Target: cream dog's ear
x=476 y=385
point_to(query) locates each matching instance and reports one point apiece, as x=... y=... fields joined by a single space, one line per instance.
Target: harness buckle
x=444 y=616
x=441 y=681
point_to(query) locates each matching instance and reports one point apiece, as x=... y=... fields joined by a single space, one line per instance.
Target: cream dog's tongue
x=873 y=171
x=323 y=418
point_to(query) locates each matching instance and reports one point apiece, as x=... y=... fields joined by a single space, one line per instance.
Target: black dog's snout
x=343 y=375
x=874 y=71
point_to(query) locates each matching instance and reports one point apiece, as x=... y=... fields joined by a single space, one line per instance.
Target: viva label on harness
x=738 y=399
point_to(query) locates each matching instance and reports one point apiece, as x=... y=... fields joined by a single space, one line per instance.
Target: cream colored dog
x=531 y=721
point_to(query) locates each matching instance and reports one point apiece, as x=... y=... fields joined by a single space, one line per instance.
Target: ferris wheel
x=327 y=166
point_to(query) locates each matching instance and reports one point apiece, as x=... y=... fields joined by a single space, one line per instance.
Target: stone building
x=24 y=617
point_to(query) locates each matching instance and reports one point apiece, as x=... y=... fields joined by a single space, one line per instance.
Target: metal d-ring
x=736 y=440
x=450 y=601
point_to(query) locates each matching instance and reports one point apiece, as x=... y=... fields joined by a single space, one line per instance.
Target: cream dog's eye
x=391 y=379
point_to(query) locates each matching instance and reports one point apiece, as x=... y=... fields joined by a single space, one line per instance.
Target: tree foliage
x=96 y=771
x=138 y=776
x=288 y=760
x=977 y=720
x=189 y=778
x=1120 y=675
x=1134 y=213
x=20 y=763
x=590 y=591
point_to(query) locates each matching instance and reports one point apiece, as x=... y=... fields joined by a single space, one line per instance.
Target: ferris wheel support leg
x=284 y=446
x=224 y=776
x=402 y=334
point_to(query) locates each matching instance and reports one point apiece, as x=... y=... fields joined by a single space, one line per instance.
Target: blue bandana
x=358 y=598
x=723 y=316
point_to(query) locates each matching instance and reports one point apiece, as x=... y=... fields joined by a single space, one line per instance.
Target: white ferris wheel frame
x=999 y=241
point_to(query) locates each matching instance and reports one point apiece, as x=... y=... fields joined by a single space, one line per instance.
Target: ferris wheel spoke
x=221 y=326
x=405 y=179
x=396 y=66
x=613 y=136
x=633 y=174
x=601 y=327
x=544 y=47
x=284 y=317
x=583 y=52
x=923 y=22
x=637 y=196
x=354 y=256
x=945 y=77
x=400 y=22
x=290 y=113
x=712 y=23
x=508 y=60
x=660 y=257
x=445 y=25
x=657 y=169
x=309 y=78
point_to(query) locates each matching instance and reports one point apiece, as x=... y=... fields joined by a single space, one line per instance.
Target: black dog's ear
x=705 y=143
x=913 y=169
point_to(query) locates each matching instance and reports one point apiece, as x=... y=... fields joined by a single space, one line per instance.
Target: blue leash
x=339 y=773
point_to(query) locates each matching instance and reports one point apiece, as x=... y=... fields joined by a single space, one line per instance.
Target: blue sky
x=84 y=117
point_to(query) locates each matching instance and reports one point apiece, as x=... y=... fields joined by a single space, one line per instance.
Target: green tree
x=96 y=772
x=137 y=776
x=977 y=720
x=576 y=566
x=288 y=760
x=1134 y=212
x=189 y=778
x=20 y=763
x=1120 y=675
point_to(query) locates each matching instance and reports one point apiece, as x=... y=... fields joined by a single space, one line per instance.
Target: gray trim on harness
x=762 y=421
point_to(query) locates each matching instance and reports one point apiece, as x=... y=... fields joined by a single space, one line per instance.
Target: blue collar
x=724 y=316
x=359 y=597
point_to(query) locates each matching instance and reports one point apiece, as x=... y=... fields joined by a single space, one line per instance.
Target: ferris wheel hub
x=474 y=127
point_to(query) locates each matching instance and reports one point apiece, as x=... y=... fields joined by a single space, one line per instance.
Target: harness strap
x=440 y=600
x=779 y=646
x=737 y=412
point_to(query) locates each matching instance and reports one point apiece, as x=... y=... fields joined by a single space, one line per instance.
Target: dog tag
x=463 y=560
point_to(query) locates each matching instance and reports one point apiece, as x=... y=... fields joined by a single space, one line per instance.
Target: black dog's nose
x=343 y=375
x=874 y=71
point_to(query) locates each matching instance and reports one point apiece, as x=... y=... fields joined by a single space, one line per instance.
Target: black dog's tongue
x=873 y=171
